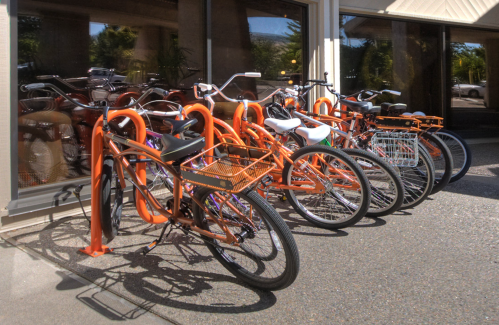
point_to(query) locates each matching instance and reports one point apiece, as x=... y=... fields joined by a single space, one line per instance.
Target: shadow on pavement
x=180 y=273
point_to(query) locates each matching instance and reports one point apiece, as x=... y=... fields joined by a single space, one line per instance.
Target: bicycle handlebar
x=37 y=86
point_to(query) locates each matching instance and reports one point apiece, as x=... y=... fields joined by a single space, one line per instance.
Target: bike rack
x=96 y=247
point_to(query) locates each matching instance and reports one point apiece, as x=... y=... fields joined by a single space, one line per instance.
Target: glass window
x=386 y=54
x=84 y=47
x=256 y=36
x=474 y=82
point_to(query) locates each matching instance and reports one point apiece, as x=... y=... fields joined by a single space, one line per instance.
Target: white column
x=5 y=107
x=335 y=27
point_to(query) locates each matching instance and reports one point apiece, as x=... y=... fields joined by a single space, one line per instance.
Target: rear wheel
x=347 y=194
x=460 y=151
x=387 y=190
x=111 y=208
x=418 y=181
x=266 y=256
x=442 y=160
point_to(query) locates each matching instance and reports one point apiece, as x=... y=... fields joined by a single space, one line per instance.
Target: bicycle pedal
x=149 y=247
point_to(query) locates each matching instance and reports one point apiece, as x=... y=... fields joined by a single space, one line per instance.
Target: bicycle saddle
x=179 y=126
x=177 y=148
x=359 y=107
x=399 y=108
x=281 y=126
x=314 y=135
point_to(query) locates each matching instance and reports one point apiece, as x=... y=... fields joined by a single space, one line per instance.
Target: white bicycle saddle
x=281 y=126
x=314 y=135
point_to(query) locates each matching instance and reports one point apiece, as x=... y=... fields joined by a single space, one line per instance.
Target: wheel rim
x=384 y=193
x=458 y=152
x=338 y=204
x=262 y=256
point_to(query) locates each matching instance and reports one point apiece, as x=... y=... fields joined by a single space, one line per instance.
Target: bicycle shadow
x=180 y=273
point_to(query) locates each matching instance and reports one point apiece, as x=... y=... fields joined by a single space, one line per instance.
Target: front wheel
x=347 y=194
x=110 y=215
x=266 y=256
x=387 y=190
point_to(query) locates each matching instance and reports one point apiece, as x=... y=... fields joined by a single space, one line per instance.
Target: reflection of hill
x=272 y=37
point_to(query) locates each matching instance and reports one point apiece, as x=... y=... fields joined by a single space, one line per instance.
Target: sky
x=268 y=25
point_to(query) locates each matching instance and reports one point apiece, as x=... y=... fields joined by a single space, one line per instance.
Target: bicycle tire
x=460 y=151
x=415 y=194
x=110 y=213
x=255 y=270
x=442 y=162
x=384 y=200
x=355 y=207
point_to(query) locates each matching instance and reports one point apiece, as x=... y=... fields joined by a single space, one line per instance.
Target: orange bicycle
x=243 y=231
x=323 y=184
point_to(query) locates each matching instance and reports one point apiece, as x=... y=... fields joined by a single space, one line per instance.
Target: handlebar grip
x=161 y=92
x=393 y=92
x=291 y=91
x=33 y=87
x=205 y=87
x=253 y=74
x=328 y=85
x=317 y=81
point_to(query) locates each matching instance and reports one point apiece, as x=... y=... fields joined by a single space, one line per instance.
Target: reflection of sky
x=96 y=28
x=269 y=25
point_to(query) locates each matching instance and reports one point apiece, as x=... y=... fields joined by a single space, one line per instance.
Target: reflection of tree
x=270 y=56
x=265 y=57
x=113 y=48
x=293 y=49
x=28 y=46
x=468 y=63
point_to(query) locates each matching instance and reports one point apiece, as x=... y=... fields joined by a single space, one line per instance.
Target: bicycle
x=226 y=213
x=417 y=180
x=324 y=185
x=386 y=186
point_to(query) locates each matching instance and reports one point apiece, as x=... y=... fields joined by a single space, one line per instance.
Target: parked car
x=102 y=73
x=473 y=91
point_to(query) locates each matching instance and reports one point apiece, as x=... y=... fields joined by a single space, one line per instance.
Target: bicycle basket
x=233 y=170
x=397 y=148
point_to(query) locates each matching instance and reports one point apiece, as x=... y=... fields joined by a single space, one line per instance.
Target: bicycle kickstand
x=155 y=242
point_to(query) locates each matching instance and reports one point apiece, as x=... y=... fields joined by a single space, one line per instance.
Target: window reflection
x=474 y=66
x=261 y=36
x=97 y=52
x=385 y=54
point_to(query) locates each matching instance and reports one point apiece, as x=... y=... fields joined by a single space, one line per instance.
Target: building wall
x=5 y=105
x=477 y=12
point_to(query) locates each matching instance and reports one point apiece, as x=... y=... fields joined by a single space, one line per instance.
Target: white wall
x=484 y=13
x=4 y=107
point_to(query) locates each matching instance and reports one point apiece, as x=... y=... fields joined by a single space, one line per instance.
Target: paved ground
x=435 y=264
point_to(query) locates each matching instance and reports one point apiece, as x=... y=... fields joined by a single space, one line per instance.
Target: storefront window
x=474 y=82
x=84 y=48
x=256 y=36
x=386 y=54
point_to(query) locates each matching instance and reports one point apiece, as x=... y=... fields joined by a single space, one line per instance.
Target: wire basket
x=233 y=169
x=397 y=148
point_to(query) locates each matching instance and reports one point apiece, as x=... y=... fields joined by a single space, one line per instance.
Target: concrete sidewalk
x=35 y=291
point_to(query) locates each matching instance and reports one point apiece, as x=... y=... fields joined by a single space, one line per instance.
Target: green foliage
x=468 y=63
x=293 y=49
x=266 y=57
x=113 y=48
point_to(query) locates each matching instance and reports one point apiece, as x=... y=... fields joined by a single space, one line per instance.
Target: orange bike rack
x=96 y=248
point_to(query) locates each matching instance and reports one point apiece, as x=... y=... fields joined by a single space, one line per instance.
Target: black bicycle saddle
x=175 y=148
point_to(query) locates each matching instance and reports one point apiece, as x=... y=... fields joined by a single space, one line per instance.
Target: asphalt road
x=435 y=264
